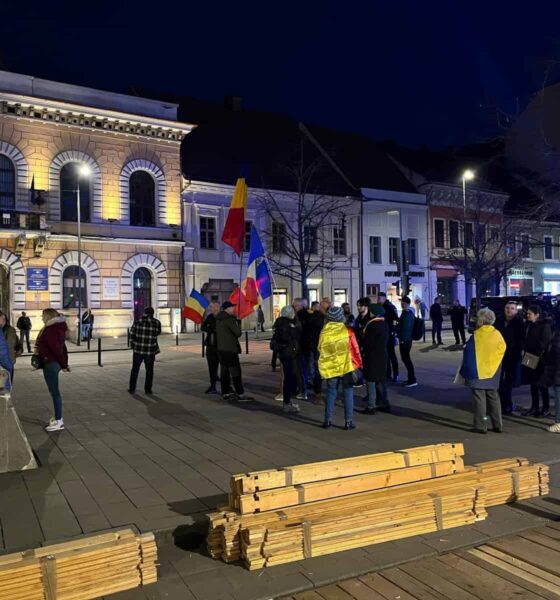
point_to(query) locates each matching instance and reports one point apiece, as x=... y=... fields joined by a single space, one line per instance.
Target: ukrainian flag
x=196 y=305
x=483 y=353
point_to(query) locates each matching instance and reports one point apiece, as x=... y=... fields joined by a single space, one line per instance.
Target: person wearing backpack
x=405 y=330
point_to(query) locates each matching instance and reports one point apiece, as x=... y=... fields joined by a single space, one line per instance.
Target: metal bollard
x=99 y=363
x=203 y=346
x=176 y=336
x=88 y=342
x=128 y=337
x=246 y=342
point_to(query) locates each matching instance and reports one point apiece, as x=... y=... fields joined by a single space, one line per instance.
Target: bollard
x=88 y=342
x=176 y=336
x=203 y=346
x=246 y=342
x=99 y=364
x=128 y=337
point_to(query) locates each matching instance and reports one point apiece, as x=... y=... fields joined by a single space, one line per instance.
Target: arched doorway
x=4 y=289
x=72 y=288
x=142 y=284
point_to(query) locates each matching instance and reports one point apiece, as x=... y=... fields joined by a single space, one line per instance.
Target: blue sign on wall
x=37 y=279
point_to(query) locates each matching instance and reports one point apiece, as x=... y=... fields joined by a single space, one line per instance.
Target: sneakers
x=301 y=397
x=229 y=396
x=327 y=424
x=554 y=428
x=242 y=398
x=349 y=425
x=55 y=425
x=369 y=411
x=279 y=398
x=211 y=390
x=410 y=384
x=291 y=408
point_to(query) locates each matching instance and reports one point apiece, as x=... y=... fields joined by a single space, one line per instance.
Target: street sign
x=37 y=279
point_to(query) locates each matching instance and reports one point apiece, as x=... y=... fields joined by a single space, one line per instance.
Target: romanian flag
x=483 y=354
x=234 y=230
x=244 y=306
x=196 y=305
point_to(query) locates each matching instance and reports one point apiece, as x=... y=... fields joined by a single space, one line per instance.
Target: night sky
x=432 y=72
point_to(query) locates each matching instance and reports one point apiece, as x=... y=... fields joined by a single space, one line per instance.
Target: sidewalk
x=160 y=463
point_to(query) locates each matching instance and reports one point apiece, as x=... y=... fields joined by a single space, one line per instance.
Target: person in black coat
x=552 y=374
x=374 y=358
x=391 y=318
x=311 y=333
x=362 y=319
x=458 y=314
x=286 y=342
x=538 y=336
x=513 y=331
x=437 y=321
x=211 y=346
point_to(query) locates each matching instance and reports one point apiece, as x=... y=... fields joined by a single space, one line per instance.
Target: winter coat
x=482 y=358
x=24 y=324
x=228 y=331
x=5 y=360
x=12 y=339
x=552 y=366
x=88 y=319
x=338 y=351
x=311 y=331
x=374 y=346
x=458 y=314
x=406 y=325
x=513 y=332
x=287 y=334
x=209 y=328
x=391 y=315
x=359 y=326
x=538 y=336
x=435 y=313
x=50 y=344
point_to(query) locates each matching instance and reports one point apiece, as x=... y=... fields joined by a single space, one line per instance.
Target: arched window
x=142 y=199
x=71 y=287
x=7 y=184
x=69 y=181
x=142 y=282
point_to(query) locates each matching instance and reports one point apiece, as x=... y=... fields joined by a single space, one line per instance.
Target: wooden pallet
x=80 y=569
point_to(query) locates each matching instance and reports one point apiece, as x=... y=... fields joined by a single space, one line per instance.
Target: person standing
x=538 y=336
x=24 y=326
x=87 y=325
x=405 y=329
x=391 y=318
x=312 y=331
x=228 y=330
x=482 y=359
x=13 y=343
x=286 y=341
x=211 y=346
x=436 y=317
x=374 y=357
x=339 y=357
x=144 y=343
x=458 y=315
x=260 y=318
x=51 y=349
x=362 y=319
x=513 y=332
x=552 y=373
x=348 y=316
x=6 y=366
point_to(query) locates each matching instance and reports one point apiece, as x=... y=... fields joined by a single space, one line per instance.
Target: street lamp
x=468 y=175
x=84 y=171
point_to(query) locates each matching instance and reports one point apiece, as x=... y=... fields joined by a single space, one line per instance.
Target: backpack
x=418 y=329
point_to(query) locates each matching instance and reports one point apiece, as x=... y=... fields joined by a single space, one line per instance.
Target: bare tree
x=302 y=225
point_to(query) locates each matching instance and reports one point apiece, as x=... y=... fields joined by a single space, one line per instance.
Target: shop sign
x=551 y=271
x=37 y=279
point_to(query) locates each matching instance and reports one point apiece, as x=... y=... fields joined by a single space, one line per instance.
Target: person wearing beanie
x=339 y=357
x=374 y=354
x=405 y=329
x=228 y=332
x=286 y=343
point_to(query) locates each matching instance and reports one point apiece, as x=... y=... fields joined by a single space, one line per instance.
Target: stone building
x=129 y=196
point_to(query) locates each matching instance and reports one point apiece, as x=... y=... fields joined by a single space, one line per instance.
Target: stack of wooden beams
x=81 y=569
x=327 y=507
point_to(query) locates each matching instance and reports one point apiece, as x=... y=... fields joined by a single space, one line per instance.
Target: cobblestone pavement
x=159 y=463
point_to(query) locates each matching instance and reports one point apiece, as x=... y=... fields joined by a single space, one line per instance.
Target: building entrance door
x=142 y=291
x=4 y=289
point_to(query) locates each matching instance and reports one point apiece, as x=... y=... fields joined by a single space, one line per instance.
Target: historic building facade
x=114 y=160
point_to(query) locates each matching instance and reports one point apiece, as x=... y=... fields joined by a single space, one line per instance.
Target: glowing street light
x=468 y=175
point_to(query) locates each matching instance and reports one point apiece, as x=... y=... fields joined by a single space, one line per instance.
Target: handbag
x=531 y=361
x=37 y=362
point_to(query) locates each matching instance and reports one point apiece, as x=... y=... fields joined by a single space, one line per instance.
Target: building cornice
x=441 y=194
x=63 y=237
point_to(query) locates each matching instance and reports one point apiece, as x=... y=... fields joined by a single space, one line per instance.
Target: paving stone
x=458 y=537
x=144 y=496
x=93 y=522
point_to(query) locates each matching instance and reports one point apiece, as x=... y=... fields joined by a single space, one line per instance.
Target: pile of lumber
x=81 y=569
x=327 y=507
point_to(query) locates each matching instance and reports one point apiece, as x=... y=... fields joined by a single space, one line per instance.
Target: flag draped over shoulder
x=234 y=230
x=195 y=307
x=483 y=353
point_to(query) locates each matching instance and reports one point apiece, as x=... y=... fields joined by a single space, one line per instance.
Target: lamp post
x=468 y=175
x=84 y=171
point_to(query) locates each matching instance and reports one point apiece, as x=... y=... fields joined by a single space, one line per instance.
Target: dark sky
x=419 y=71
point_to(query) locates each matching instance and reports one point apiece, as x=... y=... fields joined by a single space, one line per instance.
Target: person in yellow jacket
x=339 y=356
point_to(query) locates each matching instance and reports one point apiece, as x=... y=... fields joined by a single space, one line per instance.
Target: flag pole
x=239 y=293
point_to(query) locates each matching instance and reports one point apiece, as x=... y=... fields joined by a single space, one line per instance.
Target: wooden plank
x=385 y=588
x=308 y=595
x=543 y=540
x=411 y=585
x=548 y=531
x=333 y=592
x=441 y=582
x=534 y=554
x=359 y=590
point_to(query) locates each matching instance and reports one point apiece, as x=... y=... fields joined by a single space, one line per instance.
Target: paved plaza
x=159 y=463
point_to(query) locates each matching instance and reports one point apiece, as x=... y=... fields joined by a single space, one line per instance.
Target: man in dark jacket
x=391 y=318
x=362 y=319
x=311 y=333
x=512 y=330
x=374 y=359
x=24 y=326
x=287 y=335
x=228 y=331
x=144 y=342
x=458 y=314
x=211 y=345
x=405 y=329
x=437 y=321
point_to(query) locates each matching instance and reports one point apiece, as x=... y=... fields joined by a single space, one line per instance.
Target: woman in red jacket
x=51 y=349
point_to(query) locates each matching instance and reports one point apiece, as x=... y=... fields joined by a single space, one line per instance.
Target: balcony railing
x=17 y=219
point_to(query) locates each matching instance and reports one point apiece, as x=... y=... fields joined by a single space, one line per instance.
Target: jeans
x=556 y=392
x=377 y=394
x=289 y=382
x=24 y=334
x=86 y=328
x=230 y=371
x=537 y=392
x=50 y=373
x=348 y=390
x=213 y=364
x=392 y=362
x=137 y=360
x=459 y=330
x=405 y=348
x=436 y=331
